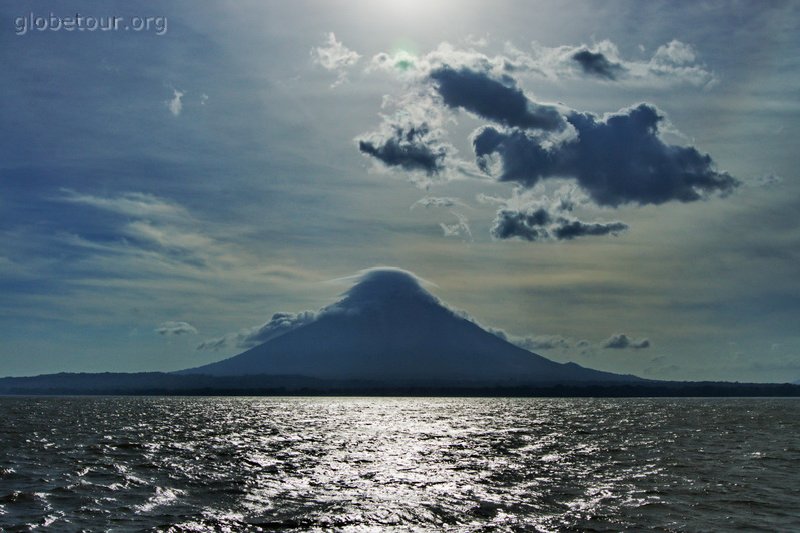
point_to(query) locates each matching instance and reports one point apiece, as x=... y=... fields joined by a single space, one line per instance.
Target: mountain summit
x=388 y=328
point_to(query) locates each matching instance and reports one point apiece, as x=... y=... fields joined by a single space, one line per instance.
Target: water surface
x=460 y=464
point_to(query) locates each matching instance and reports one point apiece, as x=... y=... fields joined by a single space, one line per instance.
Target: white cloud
x=167 y=236
x=459 y=228
x=156 y=230
x=675 y=63
x=153 y=221
x=675 y=53
x=175 y=105
x=175 y=328
x=150 y=253
x=150 y=235
x=134 y=204
x=335 y=56
x=437 y=201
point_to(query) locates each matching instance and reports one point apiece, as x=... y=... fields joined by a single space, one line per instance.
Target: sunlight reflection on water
x=409 y=463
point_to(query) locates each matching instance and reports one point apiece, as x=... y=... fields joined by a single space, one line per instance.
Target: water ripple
x=264 y=464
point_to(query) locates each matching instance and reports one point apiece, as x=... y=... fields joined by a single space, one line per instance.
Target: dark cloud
x=498 y=101
x=540 y=225
x=529 y=225
x=523 y=159
x=621 y=341
x=597 y=64
x=546 y=218
x=619 y=159
x=175 y=328
x=410 y=147
x=569 y=229
x=622 y=159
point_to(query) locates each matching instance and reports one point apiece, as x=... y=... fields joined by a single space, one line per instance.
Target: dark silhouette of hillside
x=157 y=383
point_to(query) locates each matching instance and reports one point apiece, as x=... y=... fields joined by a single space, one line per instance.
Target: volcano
x=387 y=328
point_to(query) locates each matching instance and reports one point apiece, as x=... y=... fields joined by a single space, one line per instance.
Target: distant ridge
x=389 y=329
x=159 y=383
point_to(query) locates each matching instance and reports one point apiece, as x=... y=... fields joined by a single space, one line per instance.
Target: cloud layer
x=533 y=343
x=616 y=159
x=246 y=338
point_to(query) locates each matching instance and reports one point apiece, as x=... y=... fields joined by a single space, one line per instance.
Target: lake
x=403 y=464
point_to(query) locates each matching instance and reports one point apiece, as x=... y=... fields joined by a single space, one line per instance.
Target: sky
x=611 y=183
